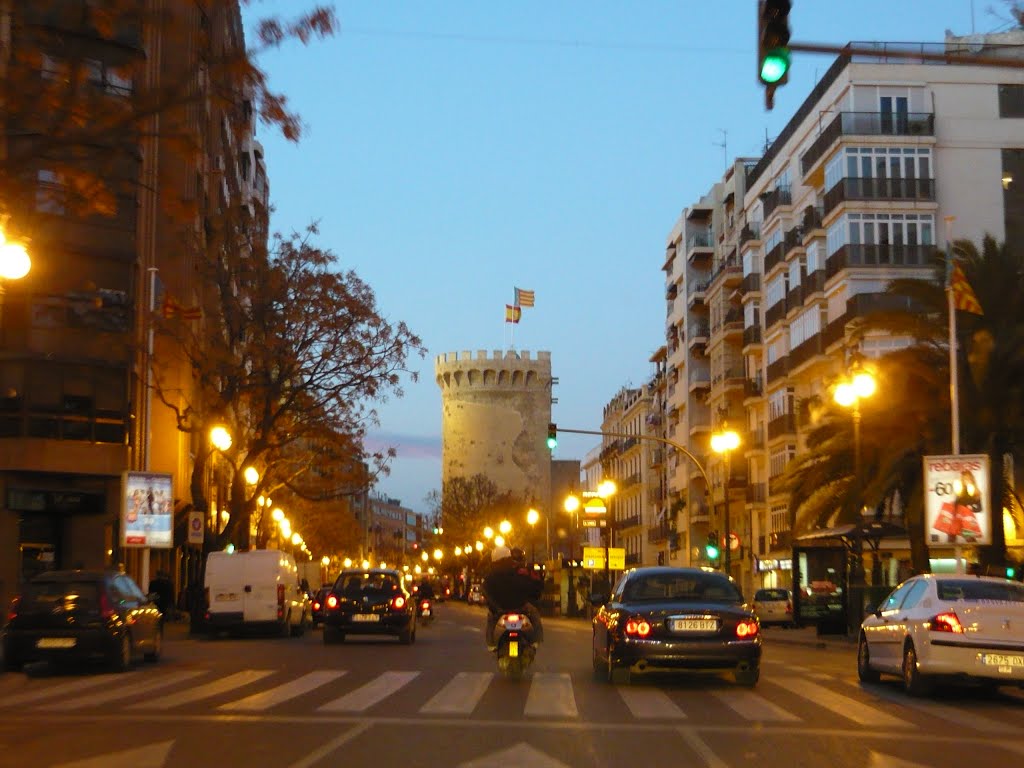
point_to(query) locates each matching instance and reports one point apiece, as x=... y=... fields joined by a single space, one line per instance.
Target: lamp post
x=858 y=385
x=606 y=489
x=572 y=506
x=724 y=443
x=14 y=263
x=531 y=519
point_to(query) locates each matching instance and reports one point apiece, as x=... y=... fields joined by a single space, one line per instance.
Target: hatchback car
x=949 y=626
x=77 y=616
x=370 y=602
x=662 y=619
x=774 y=606
x=319 y=605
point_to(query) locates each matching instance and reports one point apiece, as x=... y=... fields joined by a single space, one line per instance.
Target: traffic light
x=773 y=46
x=552 y=436
x=711 y=548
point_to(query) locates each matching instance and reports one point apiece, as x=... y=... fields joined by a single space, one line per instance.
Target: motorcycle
x=424 y=610
x=514 y=644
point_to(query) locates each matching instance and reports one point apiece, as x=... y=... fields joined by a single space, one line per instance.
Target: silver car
x=774 y=606
x=946 y=626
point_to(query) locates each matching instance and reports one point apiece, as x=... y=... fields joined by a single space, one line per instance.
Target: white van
x=255 y=589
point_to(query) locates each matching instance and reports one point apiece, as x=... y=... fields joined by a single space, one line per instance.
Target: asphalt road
x=295 y=703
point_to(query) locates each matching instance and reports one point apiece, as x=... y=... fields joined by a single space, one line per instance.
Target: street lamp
x=606 y=489
x=572 y=506
x=488 y=533
x=859 y=385
x=505 y=527
x=220 y=438
x=531 y=519
x=724 y=443
x=14 y=262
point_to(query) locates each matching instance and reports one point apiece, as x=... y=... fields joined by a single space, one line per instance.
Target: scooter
x=424 y=610
x=514 y=644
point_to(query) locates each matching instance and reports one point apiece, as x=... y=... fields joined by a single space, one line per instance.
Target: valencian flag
x=523 y=298
x=964 y=298
x=512 y=313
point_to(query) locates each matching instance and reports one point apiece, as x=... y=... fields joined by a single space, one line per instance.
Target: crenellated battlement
x=493 y=369
x=497 y=356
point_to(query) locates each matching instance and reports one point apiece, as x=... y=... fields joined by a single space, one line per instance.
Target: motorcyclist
x=510 y=585
x=426 y=591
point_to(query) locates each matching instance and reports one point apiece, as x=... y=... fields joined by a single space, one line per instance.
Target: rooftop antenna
x=724 y=144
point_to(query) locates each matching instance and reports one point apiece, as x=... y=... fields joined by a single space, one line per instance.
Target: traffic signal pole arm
x=653 y=439
x=885 y=53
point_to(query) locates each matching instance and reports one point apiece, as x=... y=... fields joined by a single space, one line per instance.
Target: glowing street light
x=347 y=562
x=848 y=393
x=220 y=438
x=488 y=533
x=499 y=541
x=438 y=554
x=724 y=443
x=505 y=527
x=252 y=476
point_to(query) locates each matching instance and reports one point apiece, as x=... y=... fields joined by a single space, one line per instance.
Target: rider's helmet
x=518 y=554
x=500 y=553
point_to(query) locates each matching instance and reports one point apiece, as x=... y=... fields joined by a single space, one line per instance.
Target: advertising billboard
x=957 y=500
x=147 y=510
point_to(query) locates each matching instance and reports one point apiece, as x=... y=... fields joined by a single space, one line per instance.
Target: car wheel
x=614 y=674
x=864 y=671
x=332 y=635
x=122 y=658
x=748 y=676
x=285 y=630
x=300 y=630
x=11 y=662
x=914 y=683
x=406 y=636
x=598 y=664
x=158 y=646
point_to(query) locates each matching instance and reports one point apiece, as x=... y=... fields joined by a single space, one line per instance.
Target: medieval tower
x=495 y=413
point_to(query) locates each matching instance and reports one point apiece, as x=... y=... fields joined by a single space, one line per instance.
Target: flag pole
x=954 y=376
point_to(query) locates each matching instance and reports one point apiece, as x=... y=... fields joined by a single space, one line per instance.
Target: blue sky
x=454 y=150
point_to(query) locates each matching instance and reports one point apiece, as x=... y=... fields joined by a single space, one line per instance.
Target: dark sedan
x=77 y=616
x=675 y=619
x=370 y=602
x=319 y=606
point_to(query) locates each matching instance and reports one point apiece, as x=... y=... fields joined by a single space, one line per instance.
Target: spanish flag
x=512 y=313
x=964 y=298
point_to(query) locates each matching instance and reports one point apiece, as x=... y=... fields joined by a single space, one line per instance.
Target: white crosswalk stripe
x=144 y=686
x=841 y=705
x=258 y=702
x=751 y=706
x=60 y=689
x=372 y=693
x=650 y=704
x=460 y=695
x=551 y=696
x=217 y=687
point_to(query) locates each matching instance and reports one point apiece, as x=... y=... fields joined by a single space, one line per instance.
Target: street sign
x=595 y=523
x=593 y=557
x=195 y=527
x=595 y=507
x=617 y=559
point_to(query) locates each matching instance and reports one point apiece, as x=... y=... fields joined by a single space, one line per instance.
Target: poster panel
x=957 y=500
x=147 y=510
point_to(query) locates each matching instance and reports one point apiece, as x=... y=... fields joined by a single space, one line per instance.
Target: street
x=295 y=703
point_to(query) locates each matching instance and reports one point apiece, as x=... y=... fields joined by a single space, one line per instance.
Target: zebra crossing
x=784 y=699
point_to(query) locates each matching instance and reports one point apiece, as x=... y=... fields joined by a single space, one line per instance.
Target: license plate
x=1001 y=660
x=226 y=597
x=426 y=612
x=367 y=617
x=513 y=649
x=513 y=624
x=694 y=625
x=55 y=642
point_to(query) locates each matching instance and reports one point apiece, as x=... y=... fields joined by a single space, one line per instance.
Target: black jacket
x=509 y=585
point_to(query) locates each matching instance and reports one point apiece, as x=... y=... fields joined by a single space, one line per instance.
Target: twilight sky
x=454 y=150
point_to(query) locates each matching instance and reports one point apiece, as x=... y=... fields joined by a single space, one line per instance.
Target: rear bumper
x=977 y=661
x=666 y=655
x=22 y=646
x=389 y=624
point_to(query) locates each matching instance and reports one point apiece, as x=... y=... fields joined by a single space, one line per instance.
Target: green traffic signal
x=552 y=436
x=775 y=65
x=711 y=548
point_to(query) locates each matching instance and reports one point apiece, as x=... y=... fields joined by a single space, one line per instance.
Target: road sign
x=593 y=557
x=617 y=559
x=595 y=506
x=595 y=523
x=195 y=527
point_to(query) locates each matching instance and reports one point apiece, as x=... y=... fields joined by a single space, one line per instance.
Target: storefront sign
x=957 y=500
x=147 y=510
x=774 y=565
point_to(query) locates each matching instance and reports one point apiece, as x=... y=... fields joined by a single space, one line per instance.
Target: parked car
x=661 y=619
x=936 y=626
x=81 y=616
x=257 y=589
x=370 y=602
x=319 y=607
x=774 y=606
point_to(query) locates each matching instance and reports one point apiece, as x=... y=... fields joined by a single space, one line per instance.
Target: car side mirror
x=872 y=609
x=599 y=598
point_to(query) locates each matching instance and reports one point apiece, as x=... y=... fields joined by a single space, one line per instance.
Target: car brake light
x=789 y=607
x=425 y=604
x=316 y=605
x=398 y=603
x=12 y=612
x=638 y=627
x=747 y=629
x=332 y=601
x=206 y=599
x=280 y=594
x=946 y=622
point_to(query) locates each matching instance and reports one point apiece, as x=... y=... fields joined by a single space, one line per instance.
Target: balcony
x=866 y=124
x=699 y=334
x=755 y=440
x=795 y=297
x=773 y=258
x=699 y=245
x=781 y=426
x=752 y=388
x=696 y=291
x=806 y=350
x=794 y=238
x=700 y=380
x=812 y=221
x=777 y=370
x=730 y=270
x=775 y=313
x=671 y=292
x=812 y=284
x=750 y=283
x=627 y=522
x=632 y=558
x=781 y=195
x=880 y=256
x=751 y=335
x=757 y=493
x=699 y=513
x=855 y=188
x=751 y=231
x=658 y=533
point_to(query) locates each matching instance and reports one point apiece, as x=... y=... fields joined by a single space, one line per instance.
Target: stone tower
x=495 y=413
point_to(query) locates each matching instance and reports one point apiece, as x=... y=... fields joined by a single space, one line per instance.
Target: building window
x=50 y=193
x=894 y=229
x=1013 y=194
x=1011 y=100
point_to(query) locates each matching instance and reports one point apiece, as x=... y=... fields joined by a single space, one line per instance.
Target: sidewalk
x=809 y=637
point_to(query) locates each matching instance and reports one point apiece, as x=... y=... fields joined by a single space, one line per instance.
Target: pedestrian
x=162 y=586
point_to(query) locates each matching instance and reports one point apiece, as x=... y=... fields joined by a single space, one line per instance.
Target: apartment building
x=392 y=532
x=767 y=274
x=75 y=411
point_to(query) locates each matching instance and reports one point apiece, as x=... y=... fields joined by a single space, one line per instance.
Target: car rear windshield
x=765 y=595
x=84 y=593
x=705 y=587
x=968 y=589
x=356 y=584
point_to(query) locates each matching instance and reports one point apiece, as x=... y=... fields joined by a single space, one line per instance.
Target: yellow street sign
x=593 y=557
x=594 y=507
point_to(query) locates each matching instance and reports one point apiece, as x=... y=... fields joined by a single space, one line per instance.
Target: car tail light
x=106 y=608
x=638 y=627
x=946 y=622
x=513 y=617
x=206 y=600
x=12 y=612
x=747 y=629
x=789 y=606
x=280 y=594
x=332 y=601
x=425 y=604
x=316 y=605
x=398 y=603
